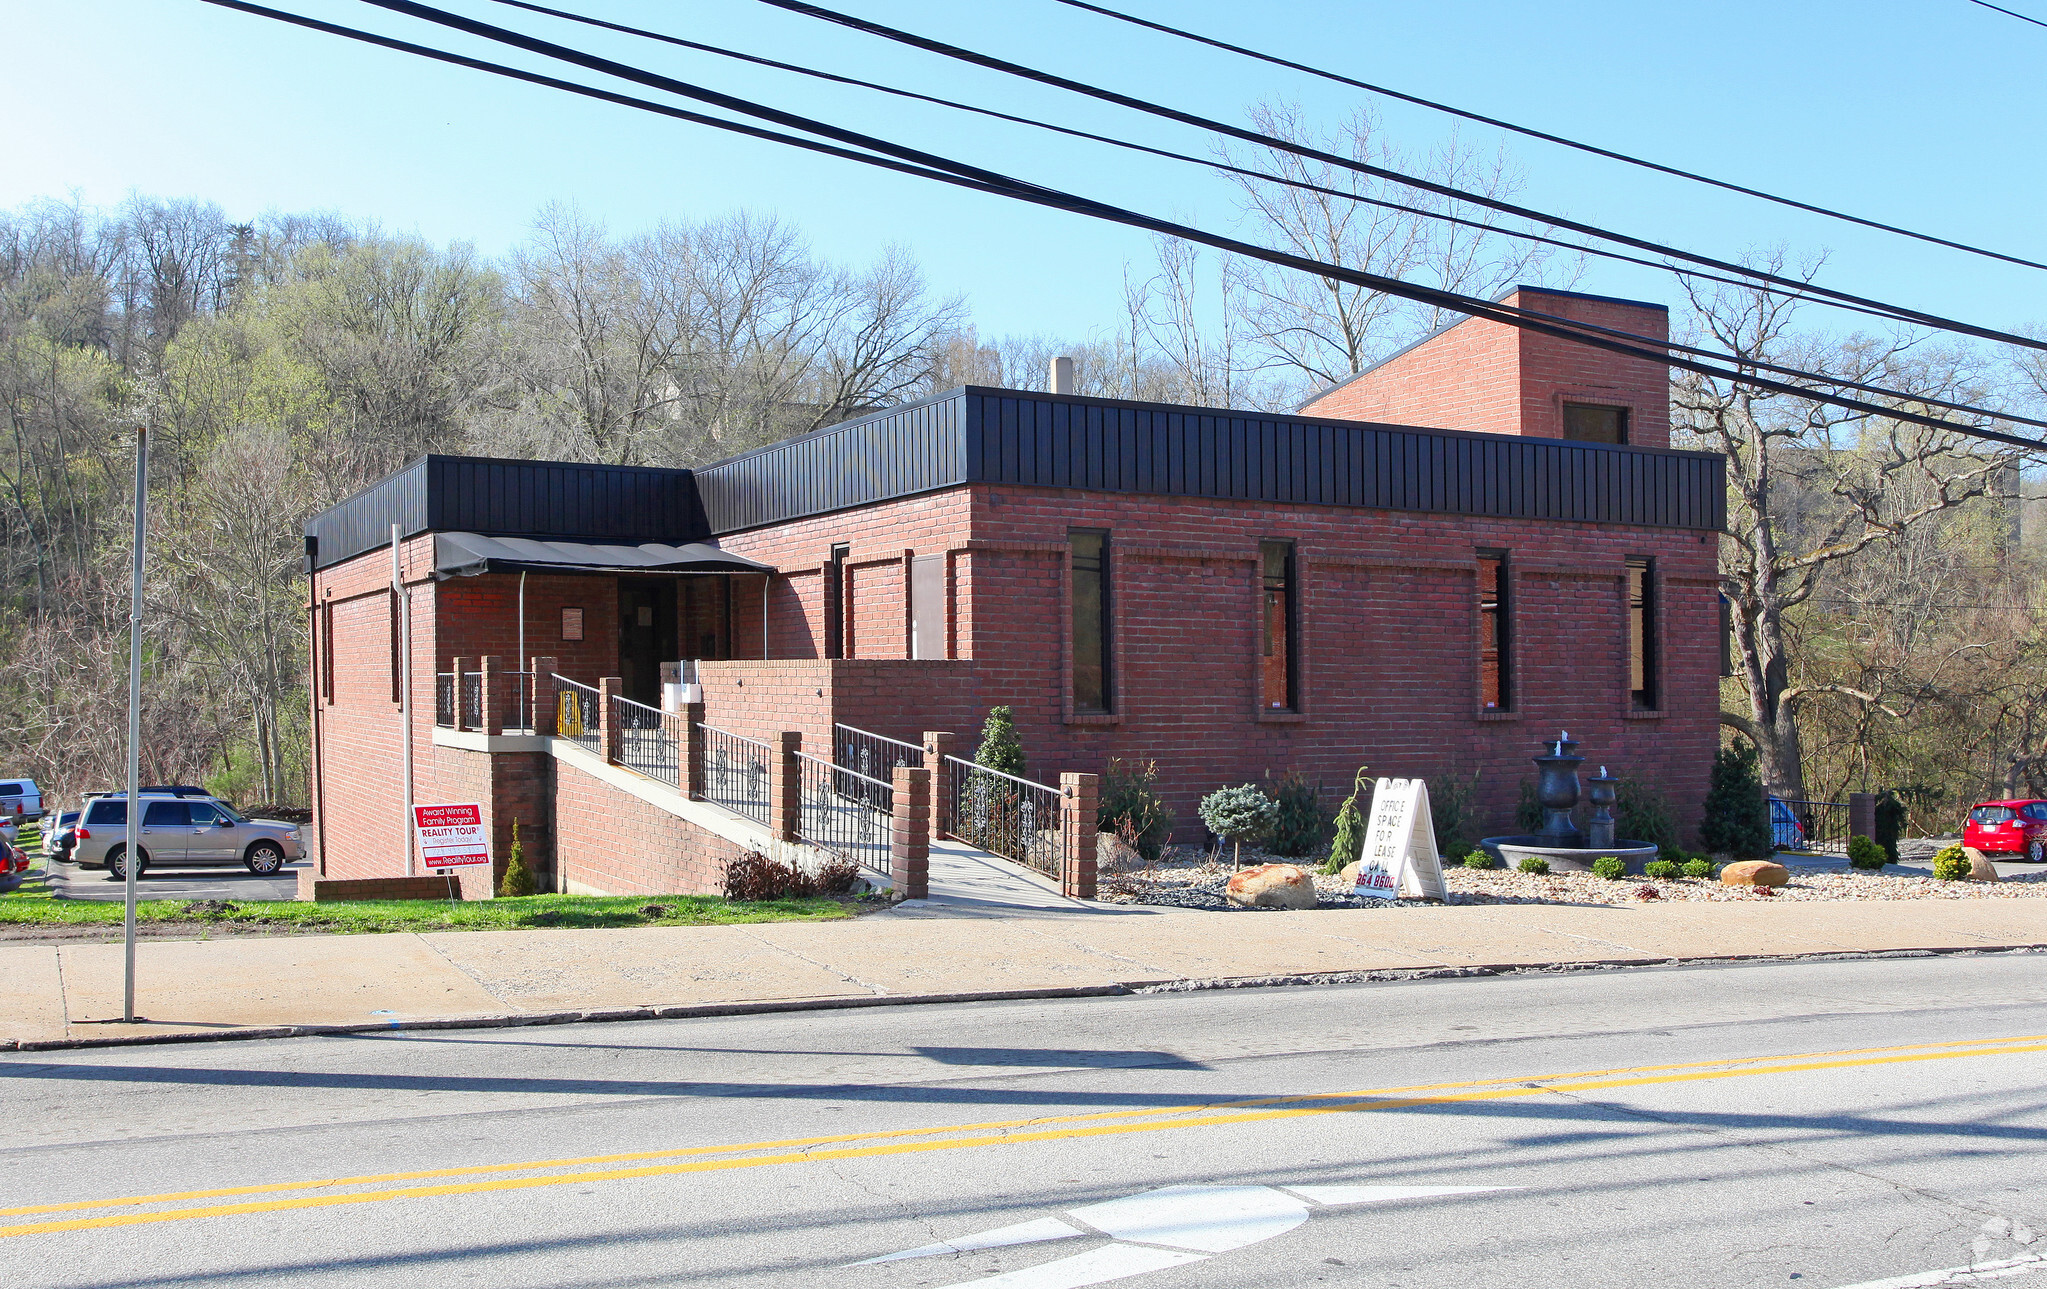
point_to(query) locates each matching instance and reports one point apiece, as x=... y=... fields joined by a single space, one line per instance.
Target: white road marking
x=1044 y=1228
x=1110 y=1262
x=2031 y=1264
x=1336 y=1195
x=1214 y=1219
x=1210 y=1219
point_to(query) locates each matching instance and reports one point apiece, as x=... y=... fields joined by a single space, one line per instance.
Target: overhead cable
x=1547 y=137
x=956 y=174
x=1887 y=312
x=2012 y=13
x=1362 y=167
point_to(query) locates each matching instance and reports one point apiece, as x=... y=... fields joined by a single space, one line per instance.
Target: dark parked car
x=2015 y=827
x=60 y=835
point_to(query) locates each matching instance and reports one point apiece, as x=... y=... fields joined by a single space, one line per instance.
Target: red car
x=2009 y=828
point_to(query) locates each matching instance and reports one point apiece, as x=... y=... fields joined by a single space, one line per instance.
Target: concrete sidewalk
x=65 y=994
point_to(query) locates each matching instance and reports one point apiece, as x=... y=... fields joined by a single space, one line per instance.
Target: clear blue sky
x=1927 y=113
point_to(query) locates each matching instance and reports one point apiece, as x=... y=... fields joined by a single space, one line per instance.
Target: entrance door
x=646 y=635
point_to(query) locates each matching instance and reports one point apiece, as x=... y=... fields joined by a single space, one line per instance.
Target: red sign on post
x=450 y=836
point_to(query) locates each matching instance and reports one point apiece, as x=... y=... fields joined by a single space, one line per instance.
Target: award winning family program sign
x=1400 y=845
x=451 y=836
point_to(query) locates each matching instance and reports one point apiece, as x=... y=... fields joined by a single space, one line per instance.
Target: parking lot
x=71 y=882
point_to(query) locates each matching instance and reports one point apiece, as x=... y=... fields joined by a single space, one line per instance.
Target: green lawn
x=32 y=904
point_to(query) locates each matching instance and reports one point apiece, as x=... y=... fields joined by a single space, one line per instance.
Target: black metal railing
x=845 y=812
x=472 y=700
x=444 y=700
x=1012 y=817
x=736 y=774
x=1820 y=825
x=515 y=701
x=874 y=757
x=576 y=714
x=644 y=743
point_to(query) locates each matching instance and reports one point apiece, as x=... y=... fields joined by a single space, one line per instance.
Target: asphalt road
x=75 y=882
x=1833 y=1123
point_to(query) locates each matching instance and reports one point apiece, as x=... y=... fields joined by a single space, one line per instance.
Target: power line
x=1428 y=185
x=1547 y=137
x=958 y=174
x=2010 y=12
x=1886 y=312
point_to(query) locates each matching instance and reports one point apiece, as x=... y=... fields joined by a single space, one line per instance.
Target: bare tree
x=1320 y=330
x=1811 y=487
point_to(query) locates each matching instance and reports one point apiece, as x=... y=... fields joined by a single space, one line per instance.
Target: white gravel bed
x=1194 y=881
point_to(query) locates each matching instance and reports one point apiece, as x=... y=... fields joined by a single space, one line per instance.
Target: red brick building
x=1427 y=569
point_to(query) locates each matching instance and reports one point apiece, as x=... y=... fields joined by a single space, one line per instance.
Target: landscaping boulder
x=1114 y=855
x=1980 y=867
x=1755 y=872
x=1272 y=886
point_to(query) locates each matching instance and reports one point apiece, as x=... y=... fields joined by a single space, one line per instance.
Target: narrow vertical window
x=1091 y=678
x=397 y=674
x=327 y=651
x=1495 y=654
x=1726 y=637
x=1642 y=634
x=835 y=602
x=1276 y=663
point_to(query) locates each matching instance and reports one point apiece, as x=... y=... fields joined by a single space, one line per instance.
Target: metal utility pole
x=404 y=682
x=134 y=851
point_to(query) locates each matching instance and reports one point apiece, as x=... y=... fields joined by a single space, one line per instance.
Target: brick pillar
x=540 y=693
x=1078 y=795
x=462 y=715
x=938 y=746
x=785 y=786
x=689 y=747
x=1862 y=815
x=607 y=724
x=909 y=846
x=491 y=719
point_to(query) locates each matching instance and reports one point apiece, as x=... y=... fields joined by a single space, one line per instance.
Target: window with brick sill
x=1495 y=639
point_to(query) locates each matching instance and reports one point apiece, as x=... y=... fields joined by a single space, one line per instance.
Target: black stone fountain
x=1567 y=849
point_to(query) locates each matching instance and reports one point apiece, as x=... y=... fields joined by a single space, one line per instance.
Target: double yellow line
x=334 y=1191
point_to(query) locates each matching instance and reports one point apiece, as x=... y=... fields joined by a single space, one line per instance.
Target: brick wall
x=1488 y=376
x=611 y=841
x=1388 y=628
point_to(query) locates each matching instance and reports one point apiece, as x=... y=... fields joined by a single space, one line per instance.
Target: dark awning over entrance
x=467 y=554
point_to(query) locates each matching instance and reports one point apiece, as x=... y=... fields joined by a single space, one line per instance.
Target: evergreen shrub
x=1612 y=867
x=1661 y=870
x=1951 y=864
x=1238 y=814
x=518 y=878
x=1866 y=854
x=1698 y=868
x=1351 y=818
x=1000 y=748
x=1890 y=823
x=1737 y=816
x=1298 y=822
x=1478 y=859
x=1533 y=864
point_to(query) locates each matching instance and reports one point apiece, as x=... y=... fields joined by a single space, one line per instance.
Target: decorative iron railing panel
x=873 y=756
x=472 y=700
x=1012 y=817
x=736 y=774
x=846 y=813
x=644 y=743
x=515 y=698
x=576 y=715
x=444 y=700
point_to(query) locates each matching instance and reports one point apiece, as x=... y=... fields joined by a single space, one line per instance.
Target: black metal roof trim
x=1112 y=445
x=558 y=500
x=1459 y=321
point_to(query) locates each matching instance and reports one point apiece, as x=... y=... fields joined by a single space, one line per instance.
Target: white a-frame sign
x=1400 y=845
